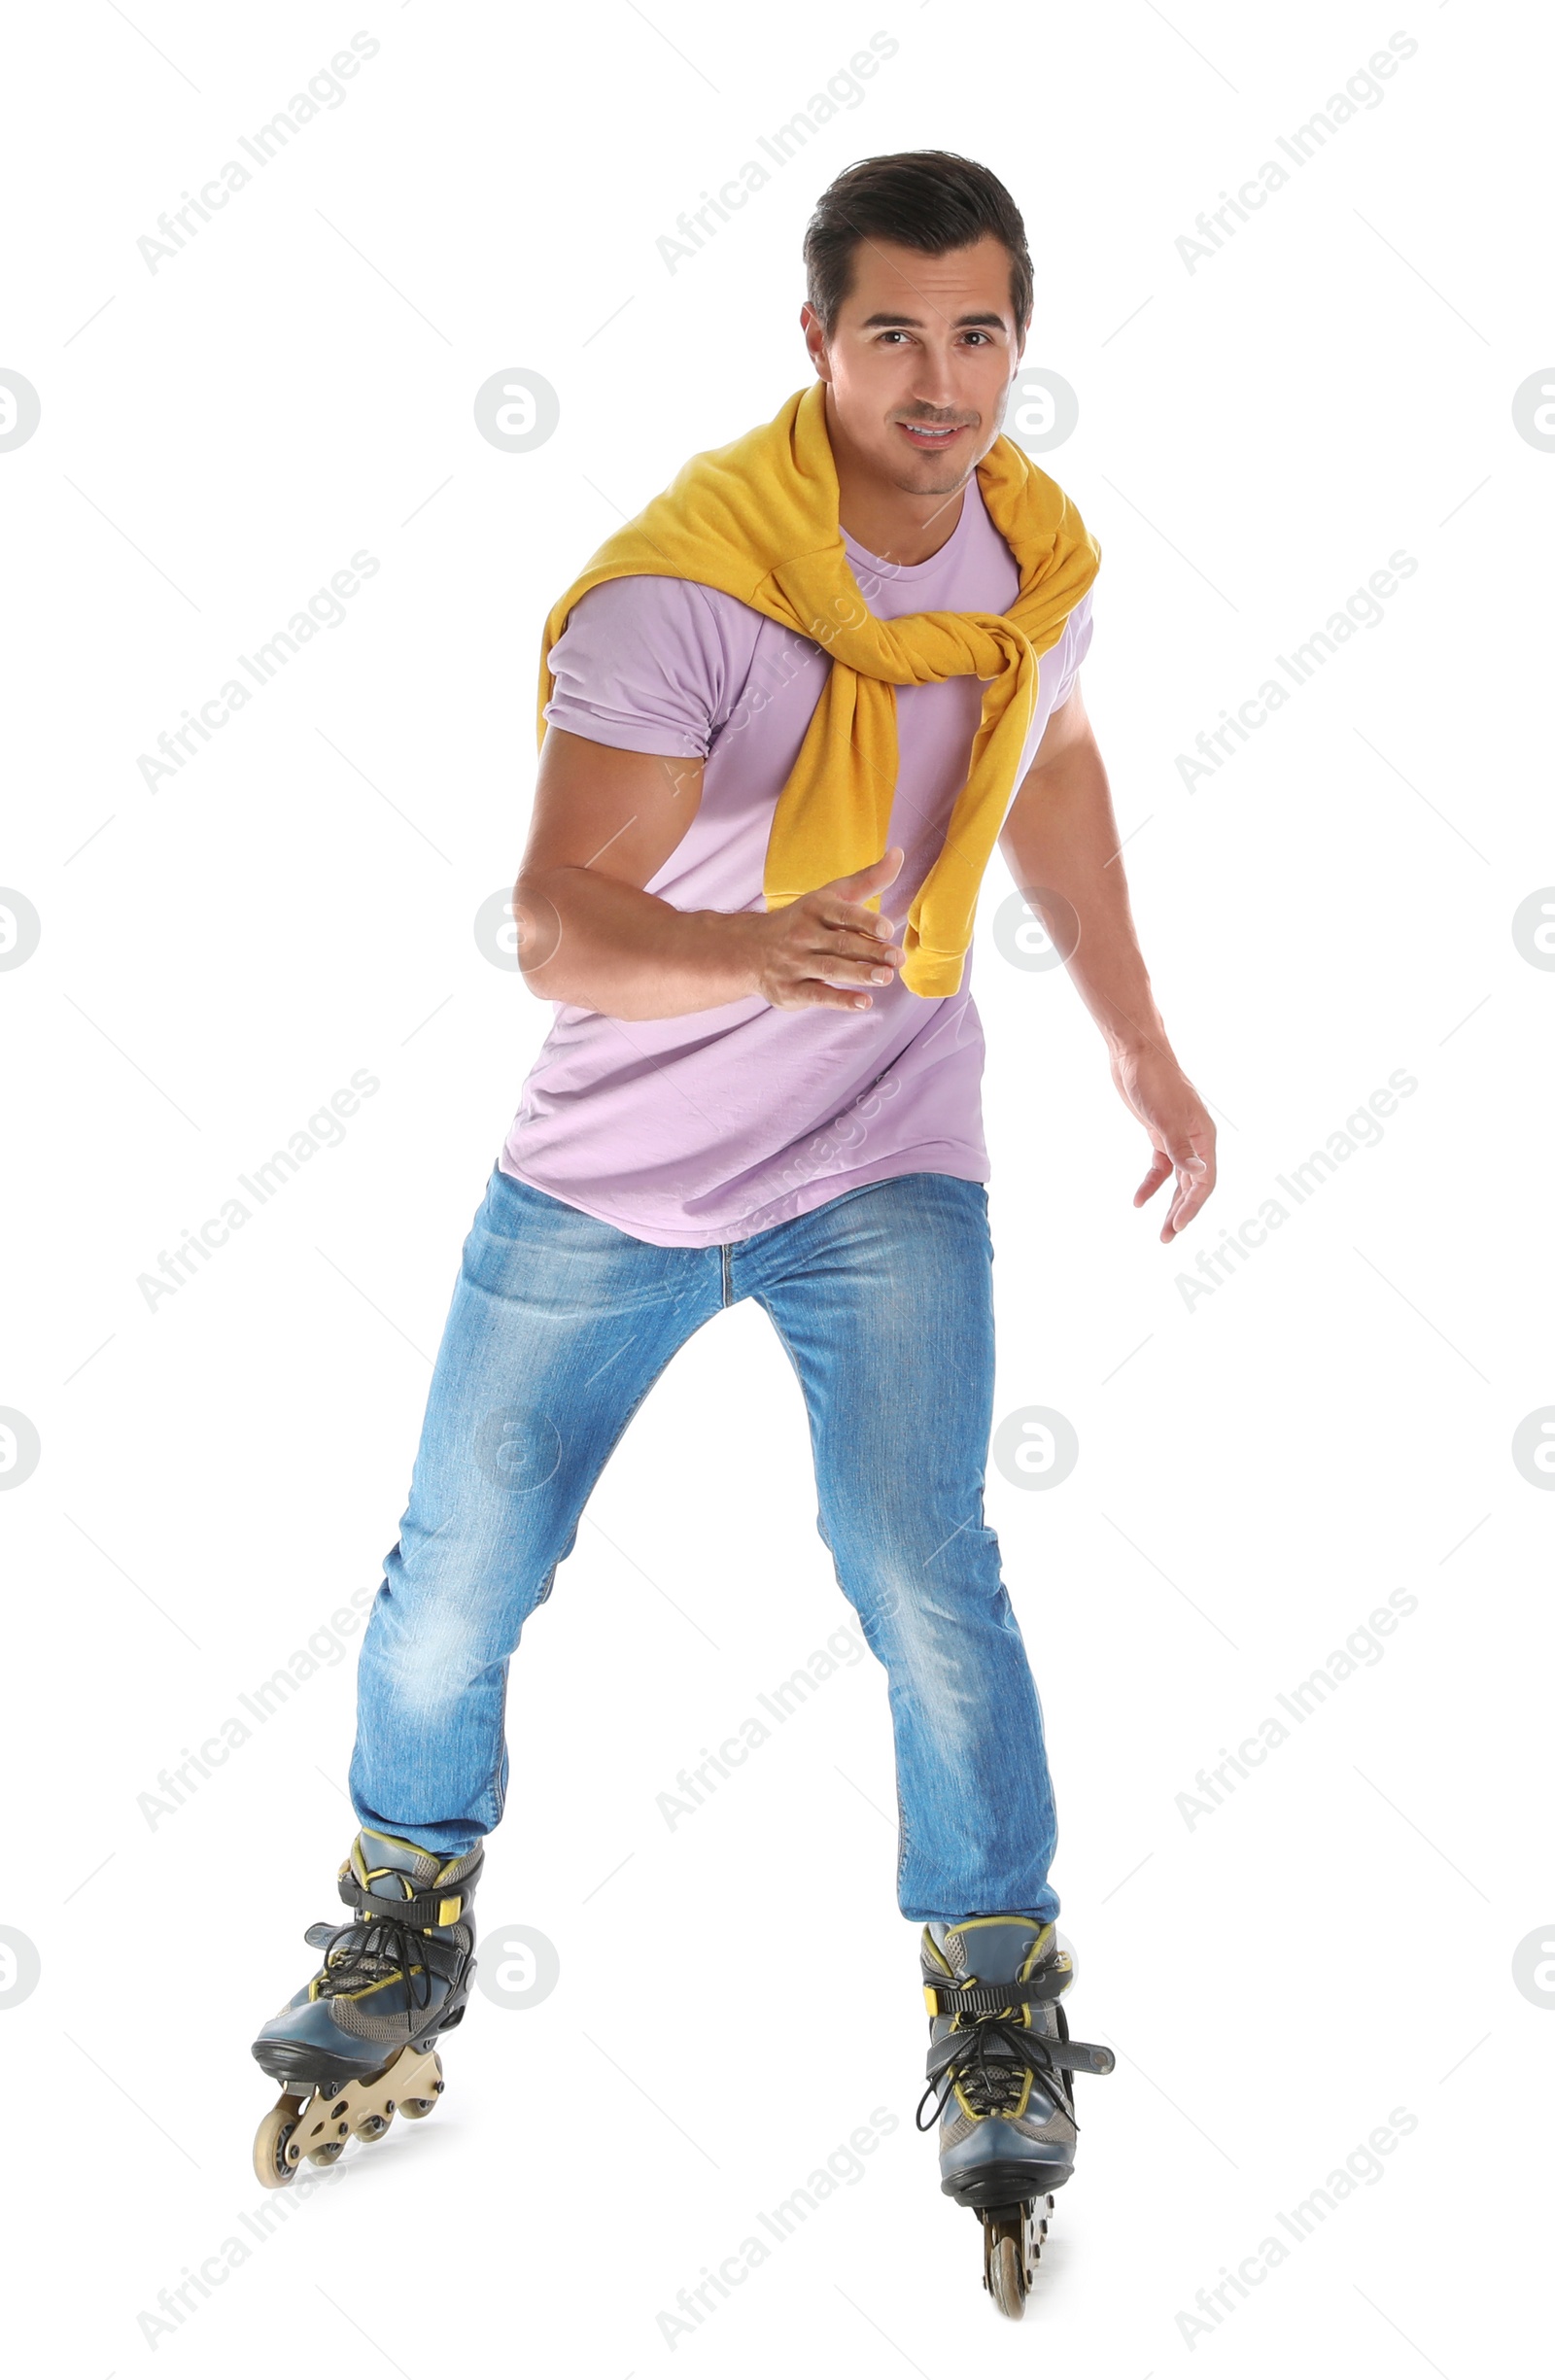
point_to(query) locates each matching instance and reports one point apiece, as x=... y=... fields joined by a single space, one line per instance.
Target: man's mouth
x=930 y=436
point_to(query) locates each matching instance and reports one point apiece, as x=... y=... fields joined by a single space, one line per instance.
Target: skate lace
x=991 y=2084
x=357 y=1955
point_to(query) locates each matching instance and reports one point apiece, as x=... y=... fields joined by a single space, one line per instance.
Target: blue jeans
x=559 y=1327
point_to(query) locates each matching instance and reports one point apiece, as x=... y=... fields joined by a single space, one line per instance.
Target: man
x=762 y=1080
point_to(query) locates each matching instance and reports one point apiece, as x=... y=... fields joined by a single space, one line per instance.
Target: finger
x=810 y=992
x=855 y=933
x=865 y=882
x=1191 y=1196
x=828 y=968
x=835 y=918
x=852 y=942
x=1160 y=1167
x=1196 y=1178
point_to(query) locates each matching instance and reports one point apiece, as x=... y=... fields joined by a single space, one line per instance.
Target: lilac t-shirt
x=689 y=1131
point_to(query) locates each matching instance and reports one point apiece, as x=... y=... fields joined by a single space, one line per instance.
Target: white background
x=1257 y=1472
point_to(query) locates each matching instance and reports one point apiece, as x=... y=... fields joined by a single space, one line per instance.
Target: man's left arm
x=1060 y=839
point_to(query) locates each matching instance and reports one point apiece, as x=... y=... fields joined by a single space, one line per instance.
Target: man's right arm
x=604 y=822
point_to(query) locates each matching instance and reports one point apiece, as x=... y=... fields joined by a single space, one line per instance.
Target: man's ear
x=815 y=340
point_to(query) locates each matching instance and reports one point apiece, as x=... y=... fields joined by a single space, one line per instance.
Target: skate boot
x=999 y=2063
x=358 y=2040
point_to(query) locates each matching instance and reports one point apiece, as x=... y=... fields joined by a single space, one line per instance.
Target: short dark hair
x=926 y=199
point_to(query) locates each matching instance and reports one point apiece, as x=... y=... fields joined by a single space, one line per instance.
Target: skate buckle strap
x=443 y=1905
x=992 y=1999
x=1014 y=2046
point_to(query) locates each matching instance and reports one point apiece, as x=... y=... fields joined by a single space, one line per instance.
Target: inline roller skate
x=999 y=2066
x=358 y=2044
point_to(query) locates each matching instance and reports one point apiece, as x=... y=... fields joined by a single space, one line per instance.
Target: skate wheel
x=1006 y=2281
x=1007 y=2258
x=327 y=2152
x=422 y=2102
x=374 y=2126
x=270 y=2163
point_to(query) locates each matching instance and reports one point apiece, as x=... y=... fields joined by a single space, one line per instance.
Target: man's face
x=920 y=360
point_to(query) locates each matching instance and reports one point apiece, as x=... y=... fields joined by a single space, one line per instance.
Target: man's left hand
x=1182 y=1136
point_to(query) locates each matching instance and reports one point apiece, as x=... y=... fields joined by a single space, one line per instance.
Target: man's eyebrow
x=912 y=321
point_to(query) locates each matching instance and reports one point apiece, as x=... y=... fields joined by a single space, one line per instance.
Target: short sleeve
x=1072 y=647
x=642 y=664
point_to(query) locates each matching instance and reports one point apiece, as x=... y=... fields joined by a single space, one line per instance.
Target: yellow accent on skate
x=401 y=1843
x=368 y=1989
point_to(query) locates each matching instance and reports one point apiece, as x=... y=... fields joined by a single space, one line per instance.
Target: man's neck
x=893 y=524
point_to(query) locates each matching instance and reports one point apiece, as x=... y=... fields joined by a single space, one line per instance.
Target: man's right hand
x=818 y=950
x=591 y=936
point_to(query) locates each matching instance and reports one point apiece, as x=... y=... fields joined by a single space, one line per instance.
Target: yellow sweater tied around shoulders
x=758 y=519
